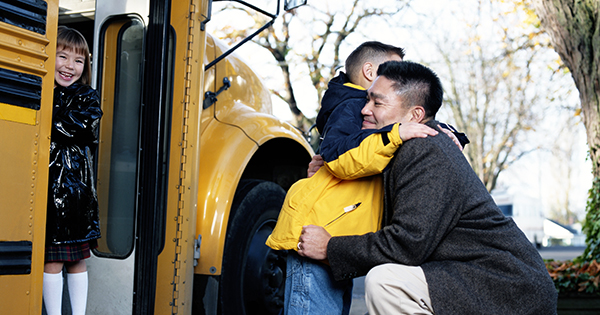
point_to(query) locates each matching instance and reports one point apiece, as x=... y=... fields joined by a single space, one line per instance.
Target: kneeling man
x=445 y=247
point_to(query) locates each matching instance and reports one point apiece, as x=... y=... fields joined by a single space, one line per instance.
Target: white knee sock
x=52 y=291
x=78 y=289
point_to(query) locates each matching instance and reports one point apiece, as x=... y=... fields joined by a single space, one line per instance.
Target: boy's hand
x=411 y=130
x=314 y=165
x=452 y=136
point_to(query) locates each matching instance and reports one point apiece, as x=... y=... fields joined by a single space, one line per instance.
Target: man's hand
x=313 y=242
x=314 y=165
x=411 y=130
x=452 y=136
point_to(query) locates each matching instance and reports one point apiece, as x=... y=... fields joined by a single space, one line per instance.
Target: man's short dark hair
x=369 y=51
x=415 y=84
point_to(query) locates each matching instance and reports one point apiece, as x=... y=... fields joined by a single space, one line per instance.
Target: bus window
x=120 y=87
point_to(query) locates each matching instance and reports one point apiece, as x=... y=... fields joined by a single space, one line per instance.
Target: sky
x=538 y=174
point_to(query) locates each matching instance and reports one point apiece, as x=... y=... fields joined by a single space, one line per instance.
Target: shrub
x=591 y=226
x=570 y=277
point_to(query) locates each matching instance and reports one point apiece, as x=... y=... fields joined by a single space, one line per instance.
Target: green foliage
x=582 y=275
x=575 y=278
x=591 y=226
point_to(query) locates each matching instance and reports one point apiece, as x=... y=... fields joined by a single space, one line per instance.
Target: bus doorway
x=118 y=78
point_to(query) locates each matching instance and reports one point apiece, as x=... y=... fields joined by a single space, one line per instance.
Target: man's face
x=384 y=107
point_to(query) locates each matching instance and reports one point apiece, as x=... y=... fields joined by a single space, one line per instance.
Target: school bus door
x=111 y=267
x=141 y=265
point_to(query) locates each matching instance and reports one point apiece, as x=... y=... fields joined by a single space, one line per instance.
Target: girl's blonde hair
x=71 y=38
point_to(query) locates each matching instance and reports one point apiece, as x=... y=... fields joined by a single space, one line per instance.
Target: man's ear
x=417 y=114
x=369 y=71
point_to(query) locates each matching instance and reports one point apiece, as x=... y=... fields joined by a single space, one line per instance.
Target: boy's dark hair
x=369 y=51
x=415 y=84
x=71 y=38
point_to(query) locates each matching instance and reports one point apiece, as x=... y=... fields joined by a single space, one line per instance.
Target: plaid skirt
x=69 y=252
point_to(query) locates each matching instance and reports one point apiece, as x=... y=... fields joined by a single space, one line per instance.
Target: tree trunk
x=574 y=29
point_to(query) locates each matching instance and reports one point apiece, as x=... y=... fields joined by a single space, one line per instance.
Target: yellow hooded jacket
x=345 y=196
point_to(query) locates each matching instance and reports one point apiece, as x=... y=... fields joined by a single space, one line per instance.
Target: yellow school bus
x=192 y=168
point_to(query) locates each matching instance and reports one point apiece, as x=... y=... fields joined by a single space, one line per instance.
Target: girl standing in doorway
x=72 y=226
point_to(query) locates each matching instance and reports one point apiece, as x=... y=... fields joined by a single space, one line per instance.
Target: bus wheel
x=253 y=275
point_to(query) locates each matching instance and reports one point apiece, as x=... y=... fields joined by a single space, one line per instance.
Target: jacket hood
x=336 y=94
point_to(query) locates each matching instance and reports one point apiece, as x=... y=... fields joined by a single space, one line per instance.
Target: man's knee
x=376 y=278
x=397 y=289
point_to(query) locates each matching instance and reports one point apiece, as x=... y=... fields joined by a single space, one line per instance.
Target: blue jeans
x=311 y=289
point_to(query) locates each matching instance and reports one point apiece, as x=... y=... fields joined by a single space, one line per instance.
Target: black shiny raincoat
x=72 y=199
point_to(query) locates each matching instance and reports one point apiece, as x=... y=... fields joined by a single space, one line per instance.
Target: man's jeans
x=311 y=289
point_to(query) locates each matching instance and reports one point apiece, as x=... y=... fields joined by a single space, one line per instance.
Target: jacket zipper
x=346 y=210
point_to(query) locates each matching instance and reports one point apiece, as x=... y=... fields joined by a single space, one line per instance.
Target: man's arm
x=422 y=208
x=350 y=153
x=374 y=152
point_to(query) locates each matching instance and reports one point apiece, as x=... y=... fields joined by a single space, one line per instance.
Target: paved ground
x=554 y=252
x=358 y=297
x=561 y=252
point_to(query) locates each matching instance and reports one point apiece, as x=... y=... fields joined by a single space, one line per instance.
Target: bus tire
x=253 y=275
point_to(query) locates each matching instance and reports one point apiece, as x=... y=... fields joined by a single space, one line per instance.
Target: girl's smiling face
x=69 y=66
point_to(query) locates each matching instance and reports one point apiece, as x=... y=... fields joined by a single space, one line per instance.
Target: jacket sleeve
x=350 y=152
x=370 y=157
x=416 y=224
x=76 y=117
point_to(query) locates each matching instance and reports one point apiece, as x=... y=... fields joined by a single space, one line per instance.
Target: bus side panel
x=221 y=169
x=27 y=49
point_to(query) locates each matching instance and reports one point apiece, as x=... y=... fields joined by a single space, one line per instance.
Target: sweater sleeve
x=416 y=225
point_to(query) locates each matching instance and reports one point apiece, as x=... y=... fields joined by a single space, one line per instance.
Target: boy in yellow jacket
x=346 y=195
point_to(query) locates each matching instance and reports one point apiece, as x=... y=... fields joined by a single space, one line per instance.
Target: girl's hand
x=411 y=130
